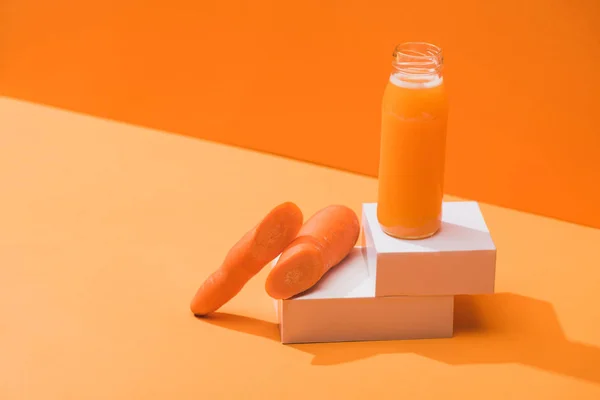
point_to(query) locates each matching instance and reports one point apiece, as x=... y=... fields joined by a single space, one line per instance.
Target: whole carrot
x=247 y=257
x=325 y=239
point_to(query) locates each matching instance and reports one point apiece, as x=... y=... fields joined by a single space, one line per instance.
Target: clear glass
x=413 y=143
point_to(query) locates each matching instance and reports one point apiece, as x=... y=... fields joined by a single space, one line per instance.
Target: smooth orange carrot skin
x=247 y=257
x=324 y=240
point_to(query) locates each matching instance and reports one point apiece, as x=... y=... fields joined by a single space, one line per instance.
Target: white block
x=343 y=307
x=459 y=259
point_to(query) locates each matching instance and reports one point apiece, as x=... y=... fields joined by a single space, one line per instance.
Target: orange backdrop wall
x=304 y=79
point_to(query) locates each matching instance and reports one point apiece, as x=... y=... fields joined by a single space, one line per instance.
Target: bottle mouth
x=418 y=58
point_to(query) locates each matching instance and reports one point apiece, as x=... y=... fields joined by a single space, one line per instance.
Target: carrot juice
x=413 y=143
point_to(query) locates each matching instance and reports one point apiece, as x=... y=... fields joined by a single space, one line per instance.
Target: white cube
x=459 y=259
x=342 y=306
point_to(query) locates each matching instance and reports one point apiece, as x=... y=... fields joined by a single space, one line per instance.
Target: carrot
x=247 y=257
x=325 y=239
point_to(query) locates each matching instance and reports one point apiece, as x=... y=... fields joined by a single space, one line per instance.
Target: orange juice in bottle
x=413 y=143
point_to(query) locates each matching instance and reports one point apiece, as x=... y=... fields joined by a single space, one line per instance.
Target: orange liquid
x=412 y=157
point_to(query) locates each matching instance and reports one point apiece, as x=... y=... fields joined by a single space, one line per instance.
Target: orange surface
x=412 y=158
x=305 y=80
x=106 y=231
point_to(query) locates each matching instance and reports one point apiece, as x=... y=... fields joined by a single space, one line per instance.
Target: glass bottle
x=413 y=143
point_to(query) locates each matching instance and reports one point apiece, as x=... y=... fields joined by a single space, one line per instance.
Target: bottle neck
x=417 y=64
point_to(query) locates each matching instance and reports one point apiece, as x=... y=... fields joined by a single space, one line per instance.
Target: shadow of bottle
x=489 y=329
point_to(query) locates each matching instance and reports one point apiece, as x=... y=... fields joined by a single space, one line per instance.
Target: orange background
x=305 y=79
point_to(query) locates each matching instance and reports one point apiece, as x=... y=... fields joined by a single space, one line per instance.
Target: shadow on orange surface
x=490 y=329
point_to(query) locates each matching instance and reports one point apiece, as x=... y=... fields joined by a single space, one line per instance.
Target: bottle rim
x=418 y=57
x=418 y=51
